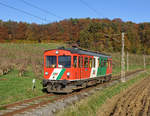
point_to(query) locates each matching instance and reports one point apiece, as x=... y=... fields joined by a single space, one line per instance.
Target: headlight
x=57 y=52
x=46 y=73
x=68 y=73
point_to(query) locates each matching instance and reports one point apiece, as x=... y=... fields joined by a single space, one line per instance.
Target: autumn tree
x=86 y=32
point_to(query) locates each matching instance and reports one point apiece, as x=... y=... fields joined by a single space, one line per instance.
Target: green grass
x=90 y=105
x=14 y=88
x=117 y=70
x=2 y=108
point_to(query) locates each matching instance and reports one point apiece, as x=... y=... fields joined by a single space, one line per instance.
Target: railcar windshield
x=51 y=61
x=64 y=61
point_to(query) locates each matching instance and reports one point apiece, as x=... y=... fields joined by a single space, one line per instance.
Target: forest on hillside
x=94 y=34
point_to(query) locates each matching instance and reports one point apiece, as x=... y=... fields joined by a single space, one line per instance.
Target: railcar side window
x=105 y=63
x=102 y=62
x=90 y=63
x=93 y=62
x=51 y=61
x=80 y=62
x=75 y=61
x=64 y=61
x=85 y=62
x=108 y=62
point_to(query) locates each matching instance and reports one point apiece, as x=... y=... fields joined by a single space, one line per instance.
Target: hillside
x=96 y=34
x=21 y=63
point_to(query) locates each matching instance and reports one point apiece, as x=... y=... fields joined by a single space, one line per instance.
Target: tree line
x=95 y=34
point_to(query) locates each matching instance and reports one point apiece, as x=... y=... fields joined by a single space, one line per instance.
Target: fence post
x=127 y=61
x=144 y=61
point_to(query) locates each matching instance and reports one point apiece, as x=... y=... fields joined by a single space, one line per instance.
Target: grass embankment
x=89 y=106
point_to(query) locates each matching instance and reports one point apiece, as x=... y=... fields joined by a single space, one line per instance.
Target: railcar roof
x=82 y=51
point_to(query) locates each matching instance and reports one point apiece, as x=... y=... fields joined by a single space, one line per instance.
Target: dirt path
x=134 y=101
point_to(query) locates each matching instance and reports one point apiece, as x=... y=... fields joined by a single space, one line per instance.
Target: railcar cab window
x=64 y=61
x=51 y=61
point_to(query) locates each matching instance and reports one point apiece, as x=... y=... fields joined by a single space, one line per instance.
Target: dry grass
x=23 y=57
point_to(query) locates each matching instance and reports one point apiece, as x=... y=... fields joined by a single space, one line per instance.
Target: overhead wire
x=22 y=11
x=93 y=9
x=41 y=9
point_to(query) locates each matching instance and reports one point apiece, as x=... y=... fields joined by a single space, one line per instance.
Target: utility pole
x=122 y=57
x=122 y=61
x=127 y=61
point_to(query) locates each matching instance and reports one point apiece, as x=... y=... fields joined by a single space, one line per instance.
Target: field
x=93 y=105
x=21 y=63
x=135 y=101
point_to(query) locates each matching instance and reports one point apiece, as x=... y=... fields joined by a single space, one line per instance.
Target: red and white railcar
x=68 y=69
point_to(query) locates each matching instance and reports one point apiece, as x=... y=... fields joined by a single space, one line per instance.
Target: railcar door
x=86 y=67
x=109 y=67
x=81 y=68
x=103 y=67
x=75 y=68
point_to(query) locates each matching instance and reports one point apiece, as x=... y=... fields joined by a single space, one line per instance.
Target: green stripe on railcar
x=102 y=66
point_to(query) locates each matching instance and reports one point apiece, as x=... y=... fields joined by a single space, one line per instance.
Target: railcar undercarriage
x=66 y=86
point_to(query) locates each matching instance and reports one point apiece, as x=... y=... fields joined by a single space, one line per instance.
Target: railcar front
x=57 y=70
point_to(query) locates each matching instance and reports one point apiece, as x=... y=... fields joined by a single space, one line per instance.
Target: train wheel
x=49 y=88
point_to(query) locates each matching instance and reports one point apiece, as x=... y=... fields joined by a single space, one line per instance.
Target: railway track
x=29 y=104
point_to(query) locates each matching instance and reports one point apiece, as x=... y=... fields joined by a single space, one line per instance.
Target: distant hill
x=96 y=34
